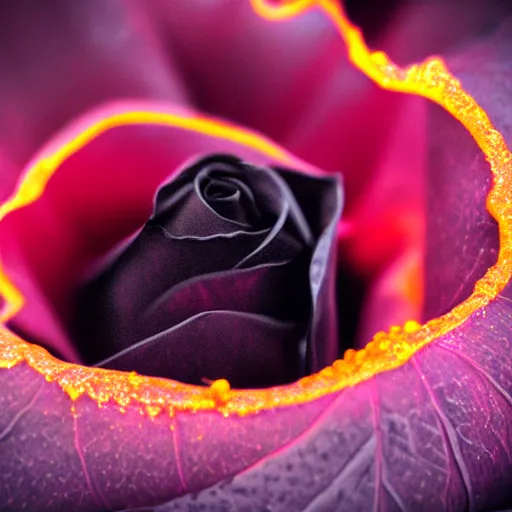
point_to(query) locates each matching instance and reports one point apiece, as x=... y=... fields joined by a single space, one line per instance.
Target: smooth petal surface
x=59 y=60
x=290 y=80
x=247 y=349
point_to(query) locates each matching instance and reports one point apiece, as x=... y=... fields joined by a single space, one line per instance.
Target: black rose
x=231 y=277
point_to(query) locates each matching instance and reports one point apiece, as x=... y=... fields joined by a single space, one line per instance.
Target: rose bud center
x=232 y=277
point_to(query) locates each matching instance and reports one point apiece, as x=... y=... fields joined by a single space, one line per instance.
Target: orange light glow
x=385 y=352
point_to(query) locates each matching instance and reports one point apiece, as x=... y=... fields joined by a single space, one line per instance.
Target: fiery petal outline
x=386 y=351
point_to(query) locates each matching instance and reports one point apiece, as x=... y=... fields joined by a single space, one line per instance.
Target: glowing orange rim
x=385 y=352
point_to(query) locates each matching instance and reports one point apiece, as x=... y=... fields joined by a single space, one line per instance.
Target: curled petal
x=275 y=256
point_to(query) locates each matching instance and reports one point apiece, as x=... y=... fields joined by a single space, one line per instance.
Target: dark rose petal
x=205 y=292
x=246 y=349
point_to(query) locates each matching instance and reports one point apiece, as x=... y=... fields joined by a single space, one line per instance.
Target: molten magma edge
x=385 y=352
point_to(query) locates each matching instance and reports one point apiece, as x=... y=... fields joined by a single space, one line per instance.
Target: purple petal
x=60 y=60
x=461 y=237
x=76 y=455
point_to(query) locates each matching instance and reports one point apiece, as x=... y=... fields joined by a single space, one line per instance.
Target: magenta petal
x=290 y=80
x=60 y=59
x=244 y=68
x=433 y=28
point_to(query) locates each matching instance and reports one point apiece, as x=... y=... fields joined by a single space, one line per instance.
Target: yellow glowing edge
x=385 y=352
